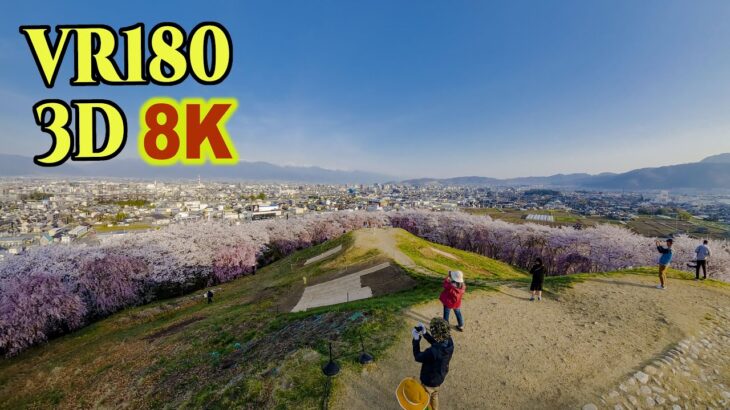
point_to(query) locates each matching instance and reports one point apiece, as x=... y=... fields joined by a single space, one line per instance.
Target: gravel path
x=582 y=348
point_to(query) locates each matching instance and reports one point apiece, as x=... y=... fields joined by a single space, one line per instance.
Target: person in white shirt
x=702 y=252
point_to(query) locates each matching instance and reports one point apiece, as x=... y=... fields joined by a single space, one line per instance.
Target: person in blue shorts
x=665 y=259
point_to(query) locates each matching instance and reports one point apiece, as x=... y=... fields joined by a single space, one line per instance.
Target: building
x=9 y=242
x=78 y=231
x=46 y=239
x=258 y=212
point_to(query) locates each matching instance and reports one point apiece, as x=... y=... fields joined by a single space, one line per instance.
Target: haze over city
x=499 y=90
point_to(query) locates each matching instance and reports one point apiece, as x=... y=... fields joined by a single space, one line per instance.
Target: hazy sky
x=427 y=88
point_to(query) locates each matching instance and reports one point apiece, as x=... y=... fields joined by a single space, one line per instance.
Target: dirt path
x=568 y=352
x=384 y=240
x=442 y=253
x=323 y=255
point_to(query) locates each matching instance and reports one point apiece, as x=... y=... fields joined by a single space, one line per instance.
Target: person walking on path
x=664 y=260
x=454 y=288
x=702 y=253
x=538 y=277
x=434 y=360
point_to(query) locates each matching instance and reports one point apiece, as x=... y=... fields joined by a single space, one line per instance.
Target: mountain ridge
x=709 y=173
x=16 y=165
x=712 y=172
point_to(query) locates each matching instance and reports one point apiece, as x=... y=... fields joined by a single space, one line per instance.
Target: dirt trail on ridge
x=384 y=240
x=581 y=346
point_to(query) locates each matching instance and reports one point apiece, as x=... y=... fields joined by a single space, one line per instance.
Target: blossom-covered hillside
x=49 y=291
x=564 y=250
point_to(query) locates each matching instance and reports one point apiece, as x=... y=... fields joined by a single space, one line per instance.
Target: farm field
x=653 y=226
x=117 y=228
x=562 y=218
x=650 y=226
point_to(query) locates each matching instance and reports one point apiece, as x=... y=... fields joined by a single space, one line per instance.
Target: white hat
x=456 y=276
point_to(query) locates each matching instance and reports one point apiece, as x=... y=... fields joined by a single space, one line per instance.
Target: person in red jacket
x=454 y=288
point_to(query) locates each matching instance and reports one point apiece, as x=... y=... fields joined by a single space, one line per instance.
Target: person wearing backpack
x=454 y=288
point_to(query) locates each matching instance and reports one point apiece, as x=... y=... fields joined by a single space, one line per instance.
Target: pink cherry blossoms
x=564 y=250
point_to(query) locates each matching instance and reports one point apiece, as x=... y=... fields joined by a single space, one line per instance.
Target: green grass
x=562 y=218
x=115 y=228
x=658 y=227
x=473 y=265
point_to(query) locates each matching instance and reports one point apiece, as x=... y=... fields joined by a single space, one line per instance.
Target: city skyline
x=468 y=89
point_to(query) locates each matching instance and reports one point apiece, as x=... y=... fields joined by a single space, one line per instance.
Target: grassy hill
x=245 y=350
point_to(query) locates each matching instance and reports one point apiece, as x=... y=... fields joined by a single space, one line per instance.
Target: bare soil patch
x=562 y=352
x=389 y=280
x=442 y=253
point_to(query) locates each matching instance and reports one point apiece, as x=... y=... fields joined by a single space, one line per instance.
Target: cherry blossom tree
x=109 y=282
x=35 y=307
x=232 y=262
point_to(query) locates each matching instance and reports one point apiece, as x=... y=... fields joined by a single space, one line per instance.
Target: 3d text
x=190 y=131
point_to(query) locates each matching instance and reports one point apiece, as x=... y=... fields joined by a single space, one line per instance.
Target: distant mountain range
x=710 y=173
x=556 y=180
x=15 y=165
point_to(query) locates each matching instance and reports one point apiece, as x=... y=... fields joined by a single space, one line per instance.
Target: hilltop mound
x=248 y=350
